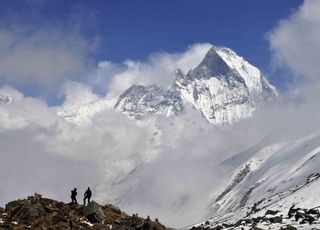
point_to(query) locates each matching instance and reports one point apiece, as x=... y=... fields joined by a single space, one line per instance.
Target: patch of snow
x=87 y=223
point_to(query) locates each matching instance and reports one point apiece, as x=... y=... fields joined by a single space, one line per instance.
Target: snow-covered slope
x=223 y=87
x=274 y=178
x=257 y=85
x=83 y=112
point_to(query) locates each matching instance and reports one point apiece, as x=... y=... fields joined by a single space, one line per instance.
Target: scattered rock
x=272 y=220
x=292 y=211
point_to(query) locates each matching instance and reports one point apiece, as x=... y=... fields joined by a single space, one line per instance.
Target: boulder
x=310 y=219
x=11 y=206
x=298 y=216
x=150 y=225
x=276 y=219
x=293 y=211
x=271 y=212
x=94 y=213
x=256 y=220
x=219 y=227
x=28 y=212
x=313 y=211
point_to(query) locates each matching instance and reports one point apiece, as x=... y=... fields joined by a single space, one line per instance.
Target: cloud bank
x=46 y=56
x=295 y=41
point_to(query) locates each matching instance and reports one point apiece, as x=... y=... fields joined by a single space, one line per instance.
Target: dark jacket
x=88 y=193
x=73 y=193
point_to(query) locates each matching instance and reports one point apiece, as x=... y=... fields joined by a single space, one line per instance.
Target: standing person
x=74 y=196
x=87 y=195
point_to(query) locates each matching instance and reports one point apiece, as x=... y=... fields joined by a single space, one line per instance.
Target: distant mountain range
x=224 y=88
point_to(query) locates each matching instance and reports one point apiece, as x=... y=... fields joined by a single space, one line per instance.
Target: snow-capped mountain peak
x=224 y=87
x=212 y=65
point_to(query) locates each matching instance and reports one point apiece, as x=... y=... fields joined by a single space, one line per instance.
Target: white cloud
x=23 y=111
x=77 y=94
x=158 y=69
x=104 y=75
x=295 y=41
x=36 y=141
x=44 y=56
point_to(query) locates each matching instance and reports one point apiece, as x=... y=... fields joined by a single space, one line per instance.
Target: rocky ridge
x=36 y=212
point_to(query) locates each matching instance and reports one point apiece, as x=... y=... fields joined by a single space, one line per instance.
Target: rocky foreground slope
x=36 y=212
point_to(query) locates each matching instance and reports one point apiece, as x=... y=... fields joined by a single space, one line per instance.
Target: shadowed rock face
x=212 y=65
x=36 y=212
x=140 y=100
x=4 y=99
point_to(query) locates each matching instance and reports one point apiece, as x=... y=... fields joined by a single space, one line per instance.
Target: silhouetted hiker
x=74 y=196
x=87 y=195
